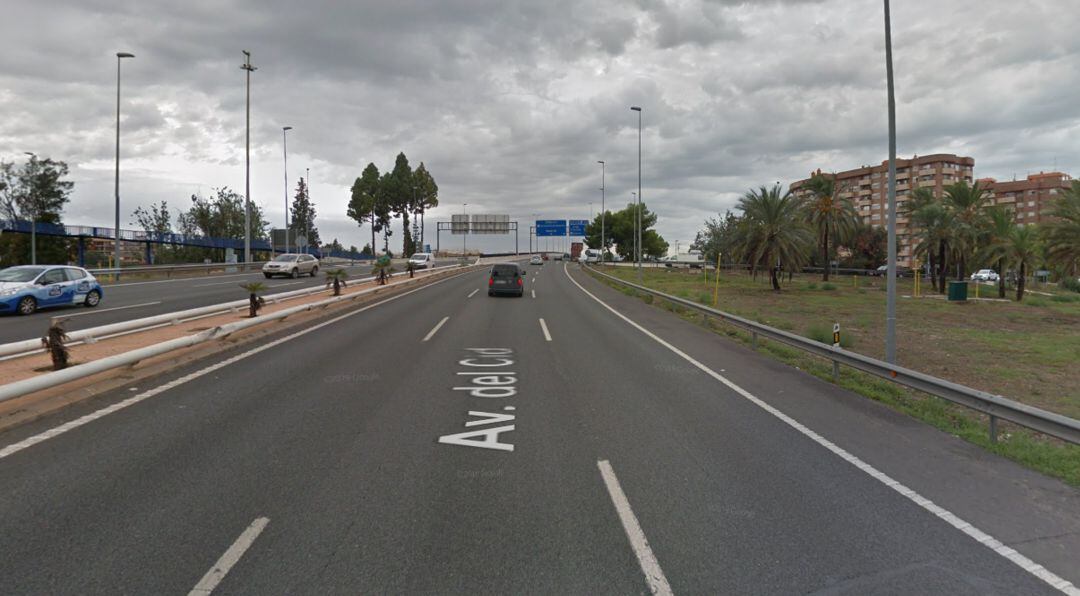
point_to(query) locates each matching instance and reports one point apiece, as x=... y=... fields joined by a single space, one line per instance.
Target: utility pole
x=603 y=213
x=33 y=212
x=285 y=155
x=310 y=207
x=116 y=245
x=247 y=160
x=639 y=247
x=890 y=296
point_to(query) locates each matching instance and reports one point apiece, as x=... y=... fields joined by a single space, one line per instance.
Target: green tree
x=772 y=232
x=36 y=191
x=156 y=221
x=384 y=200
x=1000 y=224
x=1062 y=232
x=920 y=198
x=934 y=228
x=335 y=246
x=427 y=195
x=830 y=215
x=362 y=199
x=220 y=216
x=717 y=238
x=869 y=246
x=303 y=215
x=621 y=227
x=1024 y=252
x=966 y=203
x=400 y=195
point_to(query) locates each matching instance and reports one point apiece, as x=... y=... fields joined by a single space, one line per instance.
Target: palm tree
x=772 y=232
x=935 y=223
x=255 y=302
x=1023 y=252
x=382 y=269
x=832 y=216
x=1001 y=224
x=920 y=198
x=1062 y=234
x=336 y=278
x=967 y=204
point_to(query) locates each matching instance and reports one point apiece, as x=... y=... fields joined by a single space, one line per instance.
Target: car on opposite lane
x=536 y=260
x=506 y=278
x=26 y=288
x=422 y=260
x=291 y=265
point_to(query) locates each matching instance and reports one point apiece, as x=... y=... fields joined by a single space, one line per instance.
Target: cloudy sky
x=510 y=103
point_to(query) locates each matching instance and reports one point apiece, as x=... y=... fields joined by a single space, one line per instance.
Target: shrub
x=1070 y=284
x=1065 y=298
x=648 y=298
x=811 y=286
x=828 y=286
x=823 y=334
x=1036 y=302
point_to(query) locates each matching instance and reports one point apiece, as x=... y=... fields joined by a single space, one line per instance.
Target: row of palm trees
x=778 y=231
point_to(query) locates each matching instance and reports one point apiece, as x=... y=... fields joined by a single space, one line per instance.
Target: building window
x=1031 y=214
x=1031 y=203
x=875 y=216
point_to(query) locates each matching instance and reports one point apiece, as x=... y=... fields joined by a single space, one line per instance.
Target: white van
x=422 y=260
x=590 y=255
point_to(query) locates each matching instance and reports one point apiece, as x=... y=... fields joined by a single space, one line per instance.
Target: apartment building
x=867 y=188
x=1030 y=199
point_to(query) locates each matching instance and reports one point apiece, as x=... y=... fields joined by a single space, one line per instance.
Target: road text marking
x=543 y=326
x=658 y=584
x=231 y=557
x=486 y=384
x=436 y=329
x=473 y=293
x=96 y=310
x=981 y=537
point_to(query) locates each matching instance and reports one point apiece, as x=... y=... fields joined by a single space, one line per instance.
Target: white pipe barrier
x=91 y=335
x=133 y=357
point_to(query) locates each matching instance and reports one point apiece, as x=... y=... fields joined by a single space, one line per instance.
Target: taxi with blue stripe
x=26 y=288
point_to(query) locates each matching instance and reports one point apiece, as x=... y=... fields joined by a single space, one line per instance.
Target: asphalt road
x=448 y=442
x=132 y=300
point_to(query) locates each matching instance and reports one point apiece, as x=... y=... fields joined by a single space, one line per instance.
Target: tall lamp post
x=638 y=110
x=603 y=244
x=307 y=220
x=33 y=218
x=633 y=201
x=247 y=160
x=285 y=155
x=890 y=295
x=116 y=245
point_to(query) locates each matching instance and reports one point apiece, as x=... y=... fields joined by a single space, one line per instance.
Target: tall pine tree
x=303 y=216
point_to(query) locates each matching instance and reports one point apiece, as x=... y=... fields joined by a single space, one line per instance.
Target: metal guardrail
x=133 y=357
x=33 y=346
x=994 y=406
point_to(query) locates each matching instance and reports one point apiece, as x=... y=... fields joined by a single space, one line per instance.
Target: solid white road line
x=654 y=576
x=534 y=293
x=981 y=537
x=87 y=419
x=472 y=293
x=436 y=329
x=543 y=326
x=231 y=557
x=96 y=310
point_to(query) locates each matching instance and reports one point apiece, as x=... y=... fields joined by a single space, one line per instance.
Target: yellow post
x=918 y=277
x=977 y=284
x=716 y=288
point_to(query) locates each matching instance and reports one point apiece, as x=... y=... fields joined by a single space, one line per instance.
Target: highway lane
x=136 y=299
x=334 y=438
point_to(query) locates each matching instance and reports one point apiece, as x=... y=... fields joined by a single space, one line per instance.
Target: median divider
x=133 y=357
x=994 y=406
x=33 y=346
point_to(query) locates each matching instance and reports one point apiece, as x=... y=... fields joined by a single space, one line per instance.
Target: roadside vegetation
x=1024 y=351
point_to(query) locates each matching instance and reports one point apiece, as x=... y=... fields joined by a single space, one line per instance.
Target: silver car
x=291 y=265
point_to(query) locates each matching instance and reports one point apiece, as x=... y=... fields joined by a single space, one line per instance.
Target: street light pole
x=116 y=245
x=310 y=208
x=285 y=155
x=603 y=176
x=639 y=247
x=33 y=217
x=464 y=236
x=890 y=299
x=633 y=201
x=247 y=160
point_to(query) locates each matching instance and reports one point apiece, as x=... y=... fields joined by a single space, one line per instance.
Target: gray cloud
x=510 y=103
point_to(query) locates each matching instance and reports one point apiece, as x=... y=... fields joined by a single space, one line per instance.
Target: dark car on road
x=506 y=278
